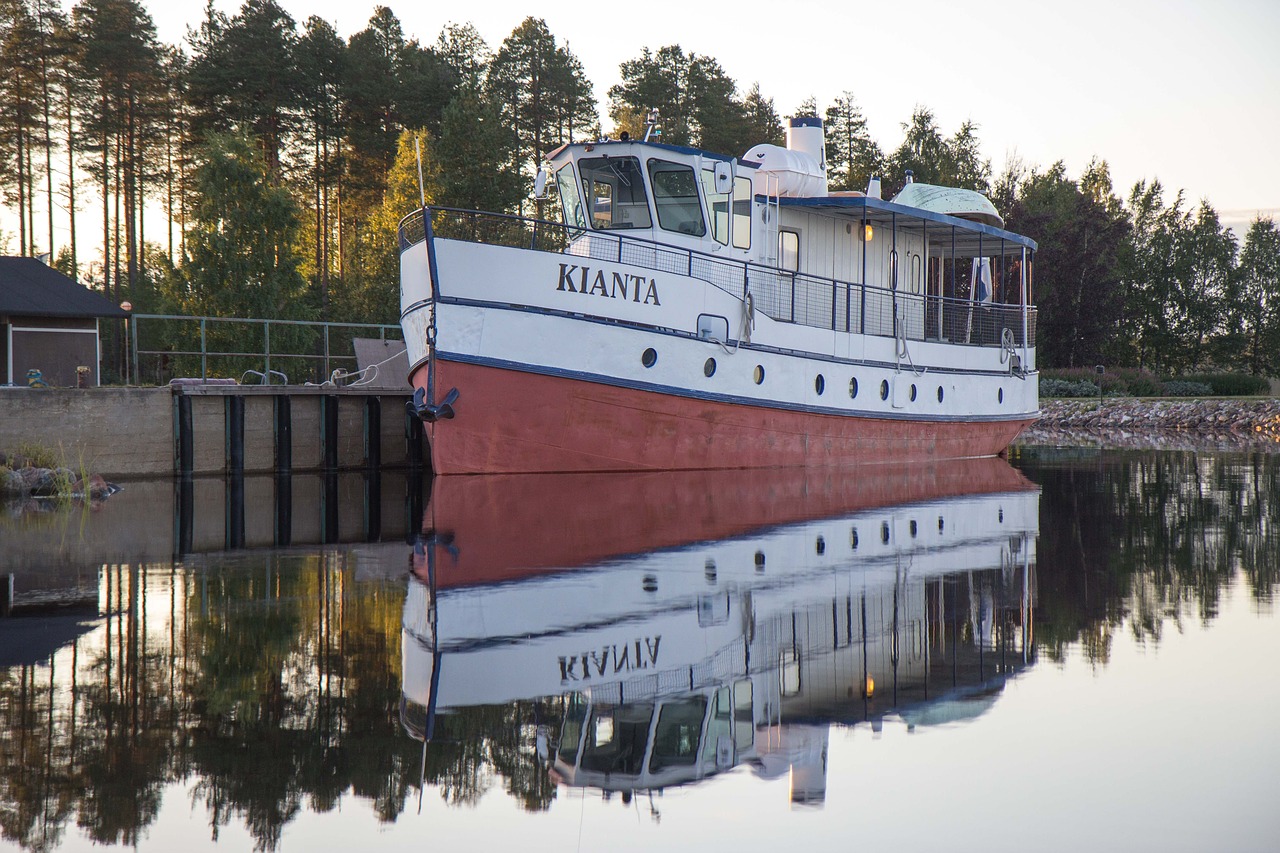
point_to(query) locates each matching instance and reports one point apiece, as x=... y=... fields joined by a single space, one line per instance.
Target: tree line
x=282 y=156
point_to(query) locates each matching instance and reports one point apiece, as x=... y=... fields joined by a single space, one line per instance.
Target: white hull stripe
x=676 y=391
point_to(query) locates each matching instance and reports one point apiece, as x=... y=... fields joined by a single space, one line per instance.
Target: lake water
x=1073 y=650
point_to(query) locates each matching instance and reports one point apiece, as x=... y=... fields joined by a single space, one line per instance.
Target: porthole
x=759 y=374
x=650 y=583
x=884 y=532
x=884 y=389
x=759 y=561
x=913 y=392
x=853 y=539
x=853 y=388
x=709 y=369
x=820 y=546
x=1000 y=396
x=649 y=357
x=913 y=528
x=819 y=384
x=939 y=393
x=940 y=524
x=709 y=572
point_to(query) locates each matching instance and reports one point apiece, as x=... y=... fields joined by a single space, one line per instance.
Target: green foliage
x=694 y=97
x=372 y=291
x=853 y=157
x=1183 y=388
x=1067 y=388
x=474 y=147
x=1258 y=283
x=934 y=159
x=543 y=93
x=1122 y=382
x=1231 y=384
x=1078 y=266
x=244 y=77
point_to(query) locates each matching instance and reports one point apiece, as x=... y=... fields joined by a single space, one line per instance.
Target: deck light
x=867 y=233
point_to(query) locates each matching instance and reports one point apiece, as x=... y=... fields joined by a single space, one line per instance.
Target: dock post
x=235 y=511
x=329 y=431
x=283 y=412
x=184 y=439
x=184 y=518
x=284 y=510
x=413 y=437
x=234 y=408
x=373 y=432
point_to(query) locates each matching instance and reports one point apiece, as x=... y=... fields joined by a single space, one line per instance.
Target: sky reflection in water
x=958 y=655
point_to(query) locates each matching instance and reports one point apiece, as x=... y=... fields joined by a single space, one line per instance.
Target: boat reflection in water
x=687 y=623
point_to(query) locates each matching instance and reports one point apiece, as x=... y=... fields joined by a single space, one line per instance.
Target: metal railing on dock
x=167 y=346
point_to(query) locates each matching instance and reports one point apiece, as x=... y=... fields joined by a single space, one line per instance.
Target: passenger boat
x=735 y=628
x=697 y=311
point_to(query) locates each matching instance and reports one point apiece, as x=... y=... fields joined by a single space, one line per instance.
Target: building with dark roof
x=49 y=322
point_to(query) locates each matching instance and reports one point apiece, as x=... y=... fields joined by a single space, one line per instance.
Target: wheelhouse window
x=614 y=191
x=718 y=210
x=570 y=201
x=717 y=207
x=675 y=196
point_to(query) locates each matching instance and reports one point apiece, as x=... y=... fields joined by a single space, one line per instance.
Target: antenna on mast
x=422 y=192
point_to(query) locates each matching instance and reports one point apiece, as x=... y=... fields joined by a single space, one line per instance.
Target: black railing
x=790 y=297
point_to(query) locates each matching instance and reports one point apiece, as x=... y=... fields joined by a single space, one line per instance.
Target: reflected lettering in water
x=546 y=636
x=664 y=667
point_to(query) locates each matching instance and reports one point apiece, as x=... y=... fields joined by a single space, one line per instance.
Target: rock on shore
x=1230 y=422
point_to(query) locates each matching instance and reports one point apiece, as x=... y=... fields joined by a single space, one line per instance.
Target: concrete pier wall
x=127 y=433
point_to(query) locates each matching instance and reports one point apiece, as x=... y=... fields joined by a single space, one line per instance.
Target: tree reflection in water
x=270 y=684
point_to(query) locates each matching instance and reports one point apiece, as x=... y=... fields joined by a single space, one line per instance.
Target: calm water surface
x=1073 y=651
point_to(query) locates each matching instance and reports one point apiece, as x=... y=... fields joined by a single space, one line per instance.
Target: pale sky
x=1184 y=91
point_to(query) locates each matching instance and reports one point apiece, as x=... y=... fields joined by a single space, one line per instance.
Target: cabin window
x=570 y=201
x=675 y=196
x=789 y=250
x=614 y=192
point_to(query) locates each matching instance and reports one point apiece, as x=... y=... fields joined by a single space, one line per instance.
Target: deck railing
x=790 y=297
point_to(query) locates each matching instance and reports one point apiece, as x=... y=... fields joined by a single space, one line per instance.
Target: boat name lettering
x=576 y=279
x=610 y=660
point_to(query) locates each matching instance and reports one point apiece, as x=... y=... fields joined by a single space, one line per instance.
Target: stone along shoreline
x=1159 y=423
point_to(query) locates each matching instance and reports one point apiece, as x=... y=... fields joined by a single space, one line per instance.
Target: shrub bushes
x=1184 y=388
x=1050 y=387
x=1130 y=382
x=1232 y=384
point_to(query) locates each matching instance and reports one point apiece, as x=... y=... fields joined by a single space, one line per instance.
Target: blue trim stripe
x=806 y=121
x=689 y=393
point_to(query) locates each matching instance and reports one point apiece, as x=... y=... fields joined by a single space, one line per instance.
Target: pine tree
x=853 y=157
x=543 y=92
x=472 y=151
x=244 y=77
x=321 y=57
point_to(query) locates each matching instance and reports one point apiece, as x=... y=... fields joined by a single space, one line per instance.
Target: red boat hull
x=509 y=421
